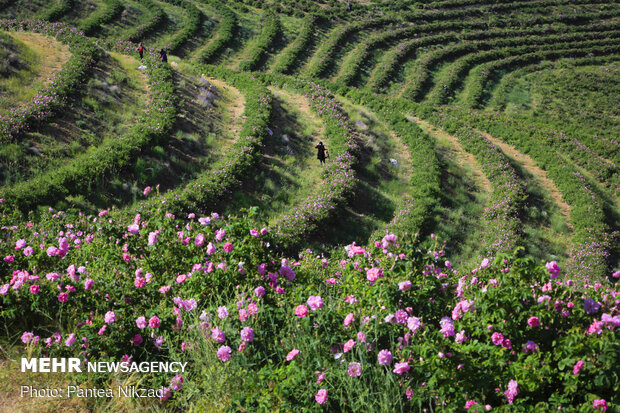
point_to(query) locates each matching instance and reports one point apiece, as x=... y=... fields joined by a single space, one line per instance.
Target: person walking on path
x=164 y=56
x=322 y=152
x=141 y=50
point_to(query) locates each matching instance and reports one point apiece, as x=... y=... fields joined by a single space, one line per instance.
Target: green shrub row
x=448 y=81
x=420 y=76
x=272 y=29
x=110 y=11
x=494 y=5
x=157 y=18
x=454 y=32
x=564 y=14
x=480 y=77
x=190 y=26
x=55 y=12
x=289 y=58
x=225 y=34
x=498 y=100
x=325 y=54
x=85 y=172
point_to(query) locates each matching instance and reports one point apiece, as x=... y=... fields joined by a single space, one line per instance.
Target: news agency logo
x=75 y=365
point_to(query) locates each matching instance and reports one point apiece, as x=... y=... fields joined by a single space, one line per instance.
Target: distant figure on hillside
x=322 y=152
x=141 y=50
x=163 y=55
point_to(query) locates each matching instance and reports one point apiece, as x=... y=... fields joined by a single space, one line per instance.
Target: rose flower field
x=165 y=202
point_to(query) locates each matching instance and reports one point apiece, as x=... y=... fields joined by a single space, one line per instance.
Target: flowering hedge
x=53 y=97
x=82 y=172
x=383 y=328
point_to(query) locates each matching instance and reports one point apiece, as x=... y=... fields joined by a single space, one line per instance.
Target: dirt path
x=235 y=104
x=463 y=157
x=530 y=166
x=51 y=53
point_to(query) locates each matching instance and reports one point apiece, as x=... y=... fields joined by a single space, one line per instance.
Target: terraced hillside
x=477 y=130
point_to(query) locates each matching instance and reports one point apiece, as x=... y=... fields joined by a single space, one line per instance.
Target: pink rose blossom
x=354 y=369
x=247 y=334
x=141 y=322
x=315 y=302
x=401 y=368
x=218 y=335
x=224 y=353
x=109 y=317
x=301 y=311
x=321 y=396
x=384 y=357
x=154 y=322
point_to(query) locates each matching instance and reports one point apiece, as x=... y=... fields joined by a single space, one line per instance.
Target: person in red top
x=141 y=51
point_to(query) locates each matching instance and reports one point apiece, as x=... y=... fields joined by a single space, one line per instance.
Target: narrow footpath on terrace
x=546 y=220
x=541 y=176
x=289 y=170
x=384 y=175
x=43 y=57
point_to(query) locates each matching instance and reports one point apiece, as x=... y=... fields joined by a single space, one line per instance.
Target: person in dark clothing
x=141 y=51
x=321 y=152
x=164 y=56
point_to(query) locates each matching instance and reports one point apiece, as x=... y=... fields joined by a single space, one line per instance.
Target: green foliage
x=111 y=10
x=225 y=33
x=272 y=29
x=288 y=58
